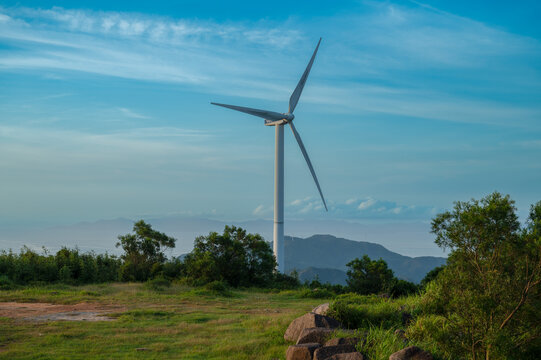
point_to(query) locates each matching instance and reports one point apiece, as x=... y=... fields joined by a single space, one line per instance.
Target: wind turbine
x=278 y=120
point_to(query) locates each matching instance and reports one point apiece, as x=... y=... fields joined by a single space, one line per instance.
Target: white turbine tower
x=278 y=120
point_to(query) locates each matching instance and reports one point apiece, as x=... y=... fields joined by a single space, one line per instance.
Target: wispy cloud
x=386 y=70
x=132 y=114
x=367 y=208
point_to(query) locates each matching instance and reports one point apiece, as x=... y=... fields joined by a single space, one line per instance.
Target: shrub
x=357 y=311
x=284 y=282
x=6 y=283
x=238 y=258
x=158 y=284
x=317 y=293
x=402 y=288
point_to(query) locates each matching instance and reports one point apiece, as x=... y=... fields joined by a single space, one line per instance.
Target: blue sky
x=104 y=108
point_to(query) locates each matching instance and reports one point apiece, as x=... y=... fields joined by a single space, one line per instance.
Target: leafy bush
x=433 y=329
x=400 y=288
x=6 y=283
x=158 y=284
x=284 y=282
x=67 y=265
x=238 y=258
x=357 y=311
x=317 y=293
x=367 y=276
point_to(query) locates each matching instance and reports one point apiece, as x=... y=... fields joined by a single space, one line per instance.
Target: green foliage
x=380 y=343
x=361 y=311
x=143 y=252
x=238 y=258
x=366 y=276
x=489 y=292
x=64 y=275
x=6 y=283
x=158 y=284
x=67 y=265
x=317 y=293
x=401 y=288
x=431 y=276
x=283 y=281
x=431 y=330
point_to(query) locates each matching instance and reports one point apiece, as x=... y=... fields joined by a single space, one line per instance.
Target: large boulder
x=343 y=341
x=301 y=352
x=347 y=356
x=314 y=335
x=309 y=320
x=325 y=352
x=411 y=353
x=321 y=309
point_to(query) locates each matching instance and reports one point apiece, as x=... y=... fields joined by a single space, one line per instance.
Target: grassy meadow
x=170 y=322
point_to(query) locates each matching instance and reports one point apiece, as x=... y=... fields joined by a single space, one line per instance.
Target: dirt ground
x=52 y=312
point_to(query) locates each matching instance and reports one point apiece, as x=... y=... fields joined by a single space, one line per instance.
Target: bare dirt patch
x=52 y=312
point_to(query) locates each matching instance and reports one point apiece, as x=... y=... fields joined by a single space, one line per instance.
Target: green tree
x=400 y=287
x=489 y=291
x=236 y=257
x=143 y=252
x=431 y=276
x=367 y=276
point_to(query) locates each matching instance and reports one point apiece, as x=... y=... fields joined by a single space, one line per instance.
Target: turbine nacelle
x=286 y=118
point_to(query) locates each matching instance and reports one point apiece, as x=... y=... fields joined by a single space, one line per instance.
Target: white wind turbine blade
x=270 y=115
x=305 y=154
x=294 y=99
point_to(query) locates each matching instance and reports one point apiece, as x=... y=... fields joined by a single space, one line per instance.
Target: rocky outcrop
x=343 y=341
x=411 y=353
x=301 y=352
x=309 y=320
x=322 y=309
x=314 y=335
x=325 y=352
x=347 y=356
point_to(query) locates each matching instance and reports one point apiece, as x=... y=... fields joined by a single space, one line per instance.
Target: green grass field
x=175 y=322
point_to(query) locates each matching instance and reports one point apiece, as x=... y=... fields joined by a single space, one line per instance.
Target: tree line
x=234 y=257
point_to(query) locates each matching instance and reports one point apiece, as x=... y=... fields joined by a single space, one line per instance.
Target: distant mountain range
x=327 y=256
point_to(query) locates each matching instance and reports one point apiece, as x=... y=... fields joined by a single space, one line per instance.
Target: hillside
x=324 y=252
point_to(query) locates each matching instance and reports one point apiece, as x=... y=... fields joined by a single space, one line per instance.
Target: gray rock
x=314 y=335
x=321 y=309
x=309 y=320
x=301 y=352
x=325 y=352
x=411 y=353
x=343 y=341
x=347 y=356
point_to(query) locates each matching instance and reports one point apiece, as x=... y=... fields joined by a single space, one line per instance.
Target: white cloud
x=258 y=210
x=360 y=208
x=366 y=204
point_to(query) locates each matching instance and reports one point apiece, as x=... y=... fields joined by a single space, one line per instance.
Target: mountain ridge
x=330 y=252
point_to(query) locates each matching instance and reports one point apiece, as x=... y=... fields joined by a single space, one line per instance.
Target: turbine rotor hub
x=289 y=117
